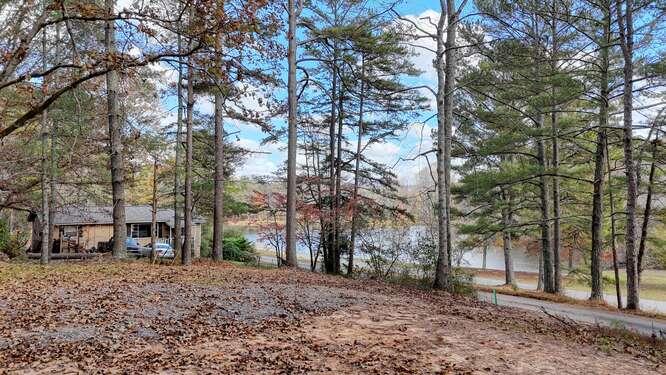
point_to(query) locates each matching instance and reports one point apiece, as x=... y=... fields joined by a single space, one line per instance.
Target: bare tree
x=293 y=10
x=445 y=63
x=115 y=137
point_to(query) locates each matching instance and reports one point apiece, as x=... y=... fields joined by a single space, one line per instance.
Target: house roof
x=73 y=215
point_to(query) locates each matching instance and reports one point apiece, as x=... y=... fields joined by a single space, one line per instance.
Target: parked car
x=133 y=247
x=164 y=250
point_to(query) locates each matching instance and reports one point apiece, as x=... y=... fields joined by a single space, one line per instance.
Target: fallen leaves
x=134 y=317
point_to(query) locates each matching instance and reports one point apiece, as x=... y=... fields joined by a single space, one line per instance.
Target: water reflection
x=494 y=258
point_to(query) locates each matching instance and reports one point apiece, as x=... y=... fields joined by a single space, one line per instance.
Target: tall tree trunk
x=509 y=276
x=338 y=179
x=485 y=256
x=177 y=228
x=153 y=216
x=626 y=30
x=446 y=70
x=596 y=268
x=292 y=136
x=187 y=242
x=540 y=276
x=647 y=212
x=45 y=228
x=115 y=139
x=54 y=166
x=557 y=231
x=611 y=205
x=546 y=245
x=218 y=199
x=330 y=266
x=357 y=163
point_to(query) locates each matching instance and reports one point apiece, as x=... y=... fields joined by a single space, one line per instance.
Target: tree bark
x=187 y=242
x=626 y=30
x=616 y=268
x=218 y=199
x=330 y=263
x=596 y=268
x=357 y=163
x=115 y=139
x=292 y=137
x=54 y=165
x=485 y=256
x=546 y=245
x=177 y=228
x=509 y=276
x=153 y=215
x=540 y=277
x=557 y=231
x=45 y=228
x=338 y=180
x=647 y=211
x=446 y=70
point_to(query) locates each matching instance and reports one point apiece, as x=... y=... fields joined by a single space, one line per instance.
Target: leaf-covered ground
x=133 y=317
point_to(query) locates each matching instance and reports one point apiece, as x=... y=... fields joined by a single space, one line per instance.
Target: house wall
x=91 y=235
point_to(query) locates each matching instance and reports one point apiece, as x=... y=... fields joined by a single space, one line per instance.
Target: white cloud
x=263 y=159
x=423 y=47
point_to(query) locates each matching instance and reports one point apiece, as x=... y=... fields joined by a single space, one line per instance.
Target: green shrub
x=11 y=244
x=235 y=247
x=15 y=247
x=4 y=233
x=583 y=275
x=462 y=282
x=238 y=249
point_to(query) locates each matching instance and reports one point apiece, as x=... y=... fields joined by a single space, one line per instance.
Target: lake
x=495 y=257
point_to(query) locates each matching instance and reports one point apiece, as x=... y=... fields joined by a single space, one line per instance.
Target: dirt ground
x=132 y=317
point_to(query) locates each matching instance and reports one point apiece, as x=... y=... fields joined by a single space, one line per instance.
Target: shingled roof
x=104 y=215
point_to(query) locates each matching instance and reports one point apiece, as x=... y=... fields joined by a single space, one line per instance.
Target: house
x=90 y=228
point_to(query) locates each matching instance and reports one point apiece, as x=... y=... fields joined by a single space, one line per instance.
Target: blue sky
x=272 y=156
x=409 y=144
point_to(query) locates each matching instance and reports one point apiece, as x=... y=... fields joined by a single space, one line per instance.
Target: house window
x=70 y=231
x=140 y=230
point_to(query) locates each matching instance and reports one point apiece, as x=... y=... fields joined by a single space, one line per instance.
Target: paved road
x=611 y=299
x=642 y=325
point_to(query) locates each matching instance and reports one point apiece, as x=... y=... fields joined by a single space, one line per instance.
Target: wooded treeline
x=547 y=122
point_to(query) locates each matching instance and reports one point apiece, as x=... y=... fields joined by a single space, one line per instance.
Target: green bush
x=238 y=249
x=462 y=282
x=235 y=247
x=4 y=233
x=11 y=244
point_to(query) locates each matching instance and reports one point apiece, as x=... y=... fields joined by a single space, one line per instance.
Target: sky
x=269 y=157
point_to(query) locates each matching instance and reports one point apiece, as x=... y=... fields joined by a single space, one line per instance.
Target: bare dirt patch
x=133 y=317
